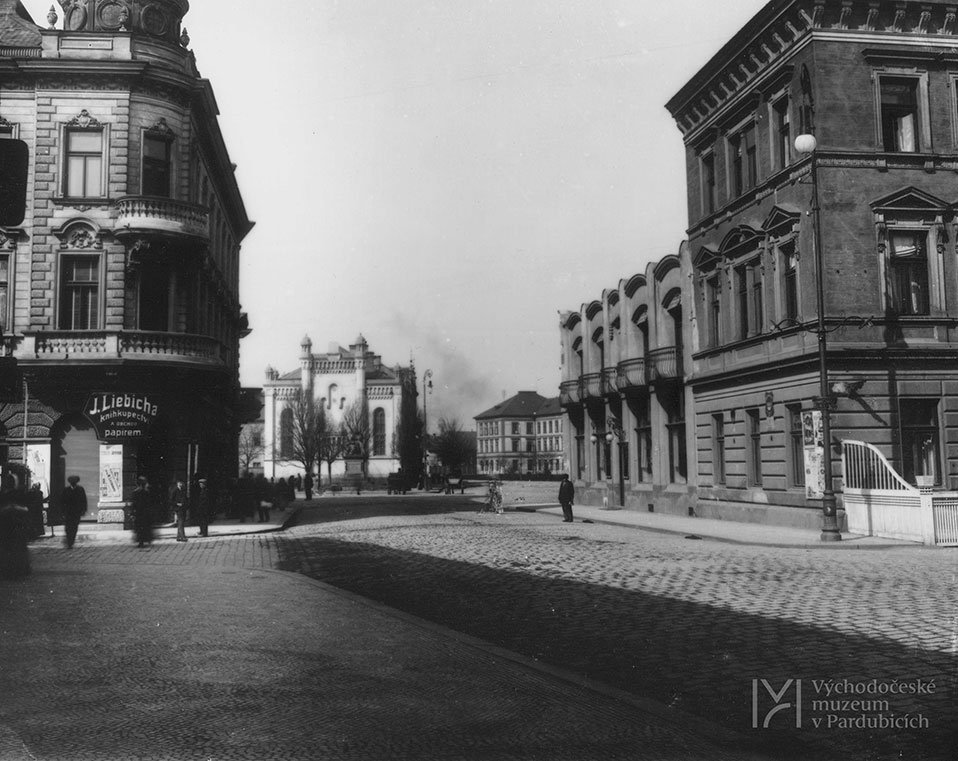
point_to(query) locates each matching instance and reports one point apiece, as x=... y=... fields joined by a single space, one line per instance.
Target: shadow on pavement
x=333 y=509
x=699 y=659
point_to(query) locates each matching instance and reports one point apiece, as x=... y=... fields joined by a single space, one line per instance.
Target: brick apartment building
x=721 y=430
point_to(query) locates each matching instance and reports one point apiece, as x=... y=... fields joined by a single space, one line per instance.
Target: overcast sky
x=445 y=176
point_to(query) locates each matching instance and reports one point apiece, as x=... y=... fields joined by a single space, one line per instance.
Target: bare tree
x=357 y=430
x=250 y=445
x=304 y=431
x=454 y=446
x=331 y=442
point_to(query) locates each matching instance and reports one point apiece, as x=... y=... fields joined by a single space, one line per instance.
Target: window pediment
x=740 y=241
x=781 y=220
x=909 y=200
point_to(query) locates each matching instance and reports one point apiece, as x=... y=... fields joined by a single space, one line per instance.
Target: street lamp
x=806 y=144
x=426 y=387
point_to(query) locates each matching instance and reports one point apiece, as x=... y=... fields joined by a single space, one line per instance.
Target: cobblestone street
x=687 y=624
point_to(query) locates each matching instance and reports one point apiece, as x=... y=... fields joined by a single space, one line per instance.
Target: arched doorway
x=76 y=451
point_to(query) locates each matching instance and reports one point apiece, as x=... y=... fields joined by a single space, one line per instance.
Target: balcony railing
x=665 y=364
x=570 y=392
x=592 y=385
x=631 y=373
x=101 y=345
x=146 y=214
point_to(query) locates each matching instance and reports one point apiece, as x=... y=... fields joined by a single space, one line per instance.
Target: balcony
x=631 y=374
x=592 y=386
x=124 y=345
x=665 y=364
x=144 y=215
x=570 y=392
x=608 y=381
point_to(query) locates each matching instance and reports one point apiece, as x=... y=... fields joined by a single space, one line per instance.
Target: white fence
x=879 y=502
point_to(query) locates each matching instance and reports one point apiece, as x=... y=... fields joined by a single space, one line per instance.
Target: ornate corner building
x=119 y=294
x=688 y=387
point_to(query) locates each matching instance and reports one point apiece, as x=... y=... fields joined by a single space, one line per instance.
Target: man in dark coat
x=73 y=504
x=201 y=507
x=308 y=485
x=566 y=496
x=141 y=504
x=178 y=504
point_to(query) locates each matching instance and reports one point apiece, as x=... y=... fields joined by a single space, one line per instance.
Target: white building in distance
x=337 y=379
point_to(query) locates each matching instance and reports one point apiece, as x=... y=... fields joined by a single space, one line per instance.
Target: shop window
x=920 y=439
x=79 y=293
x=674 y=404
x=796 y=451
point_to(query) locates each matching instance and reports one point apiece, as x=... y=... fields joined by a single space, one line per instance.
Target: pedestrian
x=73 y=505
x=178 y=502
x=566 y=497
x=34 y=503
x=142 y=512
x=264 y=499
x=14 y=535
x=201 y=507
x=280 y=494
x=308 y=485
x=493 y=503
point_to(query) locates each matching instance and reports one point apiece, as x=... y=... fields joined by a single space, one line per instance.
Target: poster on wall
x=111 y=472
x=38 y=460
x=813 y=450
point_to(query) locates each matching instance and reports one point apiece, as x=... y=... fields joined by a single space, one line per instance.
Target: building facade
x=520 y=435
x=336 y=381
x=119 y=316
x=876 y=83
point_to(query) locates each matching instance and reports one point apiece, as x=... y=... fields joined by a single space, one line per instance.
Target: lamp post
x=426 y=387
x=806 y=144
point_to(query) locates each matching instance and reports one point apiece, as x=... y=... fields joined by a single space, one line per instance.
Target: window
x=708 y=183
x=379 y=432
x=743 y=161
x=4 y=291
x=908 y=271
x=579 y=455
x=796 y=451
x=718 y=448
x=643 y=431
x=713 y=290
x=789 y=280
x=674 y=404
x=748 y=279
x=899 y=114
x=515 y=427
x=84 y=163
x=79 y=293
x=782 y=133
x=156 y=165
x=624 y=459
x=753 y=422
x=529 y=430
x=286 y=433
x=920 y=439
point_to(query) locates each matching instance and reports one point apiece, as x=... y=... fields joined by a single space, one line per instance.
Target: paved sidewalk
x=137 y=659
x=709 y=528
x=93 y=533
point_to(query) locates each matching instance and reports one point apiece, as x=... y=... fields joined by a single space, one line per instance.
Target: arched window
x=379 y=432
x=333 y=390
x=286 y=433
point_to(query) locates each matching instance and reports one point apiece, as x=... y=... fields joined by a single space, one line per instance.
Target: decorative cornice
x=777 y=32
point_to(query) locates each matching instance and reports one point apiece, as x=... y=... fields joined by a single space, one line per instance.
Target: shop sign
x=121 y=416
